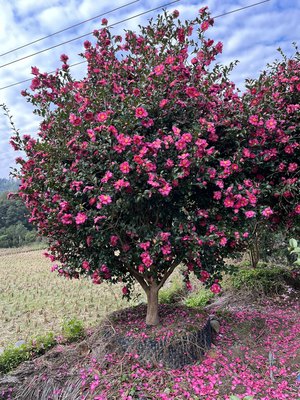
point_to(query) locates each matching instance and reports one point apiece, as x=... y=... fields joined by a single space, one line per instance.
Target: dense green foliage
x=73 y=330
x=13 y=356
x=199 y=299
x=15 y=230
x=264 y=279
x=8 y=185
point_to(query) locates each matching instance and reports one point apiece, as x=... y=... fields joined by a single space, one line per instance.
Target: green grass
x=264 y=279
x=173 y=291
x=199 y=298
x=34 y=301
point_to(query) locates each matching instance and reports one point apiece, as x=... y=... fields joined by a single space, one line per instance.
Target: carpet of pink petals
x=262 y=362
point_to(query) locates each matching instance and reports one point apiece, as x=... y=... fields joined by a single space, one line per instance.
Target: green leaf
x=293 y=243
x=296 y=250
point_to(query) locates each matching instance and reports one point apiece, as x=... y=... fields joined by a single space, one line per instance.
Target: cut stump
x=182 y=337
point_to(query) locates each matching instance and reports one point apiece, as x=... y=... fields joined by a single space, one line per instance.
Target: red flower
x=80 y=218
x=140 y=112
x=192 y=92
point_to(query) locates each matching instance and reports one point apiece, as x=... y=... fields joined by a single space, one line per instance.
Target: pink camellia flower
x=217 y=195
x=80 y=218
x=166 y=249
x=215 y=288
x=140 y=112
x=204 y=276
x=91 y=135
x=192 y=92
x=64 y=205
x=253 y=120
x=225 y=163
x=67 y=219
x=125 y=290
x=96 y=278
x=113 y=240
x=108 y=175
x=163 y=102
x=223 y=241
x=54 y=268
x=104 y=21
x=271 y=124
x=204 y=26
x=120 y=183
x=86 y=265
x=136 y=92
x=250 y=214
x=176 y=130
x=229 y=202
x=124 y=167
x=165 y=190
x=147 y=260
x=292 y=167
x=145 y=246
x=165 y=236
x=159 y=69
x=102 y=117
x=169 y=163
x=105 y=199
x=74 y=120
x=267 y=212
x=297 y=209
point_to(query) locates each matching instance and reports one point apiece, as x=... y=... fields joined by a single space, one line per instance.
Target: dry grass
x=34 y=301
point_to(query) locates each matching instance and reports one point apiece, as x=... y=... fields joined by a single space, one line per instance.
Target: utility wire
x=69 y=27
x=82 y=36
x=82 y=62
x=242 y=8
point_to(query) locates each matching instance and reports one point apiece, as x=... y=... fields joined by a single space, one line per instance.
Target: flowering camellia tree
x=152 y=159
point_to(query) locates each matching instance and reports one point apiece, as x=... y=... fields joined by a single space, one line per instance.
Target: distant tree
x=153 y=159
x=15 y=230
x=13 y=211
x=8 y=185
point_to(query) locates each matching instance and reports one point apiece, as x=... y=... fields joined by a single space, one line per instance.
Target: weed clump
x=266 y=280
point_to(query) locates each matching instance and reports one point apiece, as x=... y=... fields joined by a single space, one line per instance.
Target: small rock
x=215 y=325
x=20 y=343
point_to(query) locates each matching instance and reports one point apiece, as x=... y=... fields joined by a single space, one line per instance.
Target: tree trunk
x=254 y=251
x=152 y=305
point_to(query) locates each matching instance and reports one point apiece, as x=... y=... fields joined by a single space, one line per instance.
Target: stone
x=20 y=343
x=215 y=324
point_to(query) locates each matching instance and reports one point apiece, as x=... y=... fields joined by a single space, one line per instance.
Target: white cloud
x=251 y=36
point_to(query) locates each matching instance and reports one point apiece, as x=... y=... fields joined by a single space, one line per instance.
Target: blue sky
x=251 y=36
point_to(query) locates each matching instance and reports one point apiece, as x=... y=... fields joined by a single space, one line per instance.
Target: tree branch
x=139 y=278
x=168 y=273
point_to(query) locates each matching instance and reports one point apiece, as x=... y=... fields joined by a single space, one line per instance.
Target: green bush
x=72 y=329
x=42 y=343
x=173 y=293
x=263 y=279
x=199 y=298
x=13 y=356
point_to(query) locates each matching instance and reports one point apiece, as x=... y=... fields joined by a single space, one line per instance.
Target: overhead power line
x=242 y=8
x=135 y=16
x=82 y=36
x=69 y=27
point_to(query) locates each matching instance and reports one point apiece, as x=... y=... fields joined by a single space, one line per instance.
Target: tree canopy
x=154 y=159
